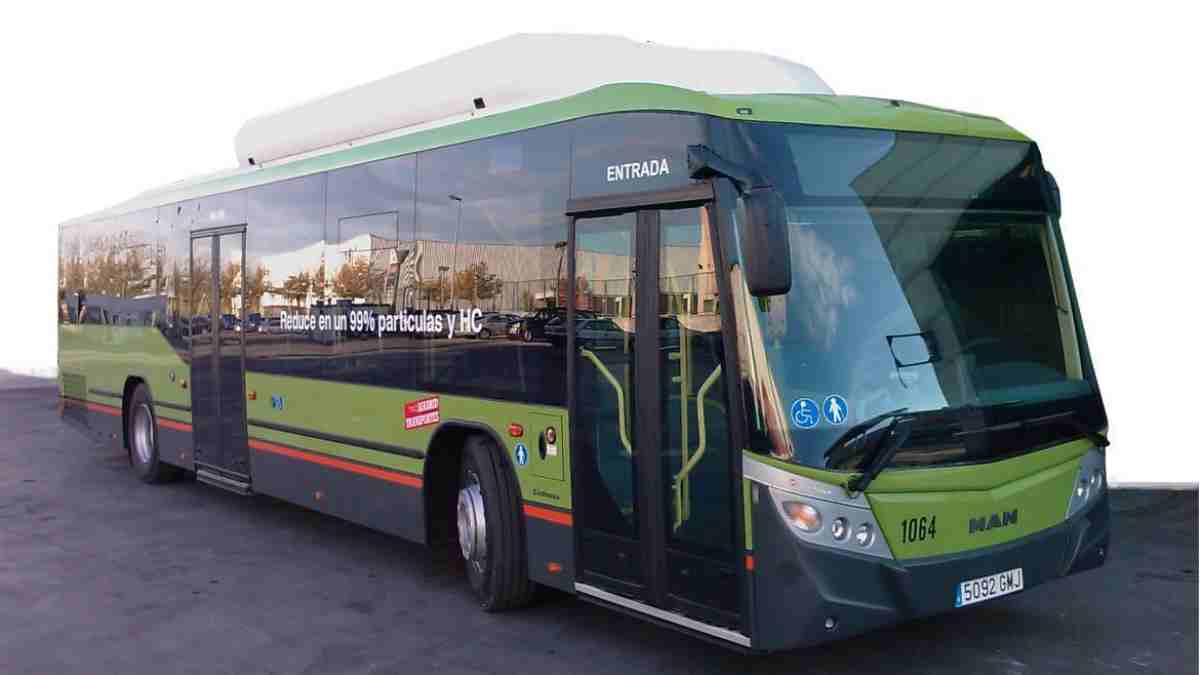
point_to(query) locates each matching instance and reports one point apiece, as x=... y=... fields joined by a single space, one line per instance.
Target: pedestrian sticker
x=835 y=409
x=805 y=413
x=522 y=454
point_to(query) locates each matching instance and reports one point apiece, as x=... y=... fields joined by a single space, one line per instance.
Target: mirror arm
x=703 y=163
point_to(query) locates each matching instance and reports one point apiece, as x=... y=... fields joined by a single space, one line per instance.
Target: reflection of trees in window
x=116 y=265
x=231 y=277
x=475 y=283
x=256 y=286
x=296 y=288
x=353 y=280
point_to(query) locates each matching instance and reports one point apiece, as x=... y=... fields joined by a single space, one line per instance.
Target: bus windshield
x=928 y=280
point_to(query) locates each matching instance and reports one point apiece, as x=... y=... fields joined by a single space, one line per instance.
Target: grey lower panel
x=378 y=504
x=175 y=446
x=805 y=595
x=664 y=615
x=105 y=424
x=549 y=543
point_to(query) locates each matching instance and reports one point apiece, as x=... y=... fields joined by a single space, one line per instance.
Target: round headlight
x=1097 y=478
x=839 y=528
x=1081 y=490
x=864 y=535
x=803 y=516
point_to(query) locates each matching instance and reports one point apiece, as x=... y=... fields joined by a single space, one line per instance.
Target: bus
x=815 y=364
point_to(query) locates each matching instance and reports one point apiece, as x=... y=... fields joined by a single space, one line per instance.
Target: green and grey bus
x=794 y=365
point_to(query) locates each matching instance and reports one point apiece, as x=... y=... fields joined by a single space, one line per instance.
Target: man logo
x=995 y=520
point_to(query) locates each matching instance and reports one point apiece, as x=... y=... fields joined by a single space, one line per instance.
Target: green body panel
x=846 y=111
x=377 y=414
x=1039 y=498
x=108 y=355
x=1037 y=484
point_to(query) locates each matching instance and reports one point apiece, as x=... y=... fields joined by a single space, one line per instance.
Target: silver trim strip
x=763 y=473
x=678 y=619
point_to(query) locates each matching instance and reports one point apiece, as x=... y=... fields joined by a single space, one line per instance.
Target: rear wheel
x=142 y=433
x=490 y=532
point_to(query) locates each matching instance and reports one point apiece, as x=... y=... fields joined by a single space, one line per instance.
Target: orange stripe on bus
x=101 y=408
x=172 y=424
x=323 y=460
x=549 y=515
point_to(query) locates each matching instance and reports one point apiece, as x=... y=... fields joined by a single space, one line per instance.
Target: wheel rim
x=143 y=433
x=472 y=522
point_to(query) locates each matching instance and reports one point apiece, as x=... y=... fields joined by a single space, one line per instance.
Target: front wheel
x=490 y=529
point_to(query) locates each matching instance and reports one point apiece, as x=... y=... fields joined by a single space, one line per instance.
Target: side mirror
x=766 y=248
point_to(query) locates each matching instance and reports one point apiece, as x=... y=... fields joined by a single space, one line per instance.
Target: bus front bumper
x=805 y=594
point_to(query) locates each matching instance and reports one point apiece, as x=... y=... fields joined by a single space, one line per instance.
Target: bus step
x=223 y=481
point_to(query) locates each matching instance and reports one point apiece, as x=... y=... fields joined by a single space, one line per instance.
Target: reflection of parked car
x=601 y=333
x=590 y=333
x=534 y=327
x=496 y=323
x=272 y=325
x=254 y=323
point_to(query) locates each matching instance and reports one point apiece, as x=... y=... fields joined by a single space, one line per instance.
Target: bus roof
x=514 y=72
x=605 y=74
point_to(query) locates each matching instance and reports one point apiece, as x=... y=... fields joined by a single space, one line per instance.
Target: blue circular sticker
x=835 y=409
x=805 y=413
x=522 y=454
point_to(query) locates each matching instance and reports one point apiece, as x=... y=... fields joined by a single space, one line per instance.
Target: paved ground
x=100 y=573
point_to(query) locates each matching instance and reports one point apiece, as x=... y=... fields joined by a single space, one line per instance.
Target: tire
x=527 y=335
x=494 y=557
x=484 y=334
x=142 y=432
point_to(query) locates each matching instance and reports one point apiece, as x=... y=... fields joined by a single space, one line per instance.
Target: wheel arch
x=443 y=461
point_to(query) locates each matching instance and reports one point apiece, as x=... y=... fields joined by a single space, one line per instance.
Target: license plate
x=972 y=591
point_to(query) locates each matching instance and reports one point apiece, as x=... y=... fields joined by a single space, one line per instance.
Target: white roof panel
x=511 y=73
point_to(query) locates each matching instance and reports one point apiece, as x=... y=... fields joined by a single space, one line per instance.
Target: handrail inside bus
x=694 y=459
x=591 y=356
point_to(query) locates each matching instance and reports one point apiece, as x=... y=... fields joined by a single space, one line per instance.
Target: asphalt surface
x=100 y=573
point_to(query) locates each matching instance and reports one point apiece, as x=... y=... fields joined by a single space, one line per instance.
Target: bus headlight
x=803 y=515
x=1089 y=482
x=828 y=518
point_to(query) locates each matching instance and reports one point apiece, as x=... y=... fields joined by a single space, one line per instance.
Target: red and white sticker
x=422 y=413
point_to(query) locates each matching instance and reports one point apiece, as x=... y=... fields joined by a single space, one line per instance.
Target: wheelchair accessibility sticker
x=805 y=413
x=522 y=454
x=835 y=409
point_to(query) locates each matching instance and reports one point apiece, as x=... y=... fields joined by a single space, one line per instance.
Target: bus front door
x=654 y=476
x=218 y=375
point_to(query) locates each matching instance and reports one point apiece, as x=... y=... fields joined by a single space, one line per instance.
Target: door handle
x=681 y=478
x=620 y=396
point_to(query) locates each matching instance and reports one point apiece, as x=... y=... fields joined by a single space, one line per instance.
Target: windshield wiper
x=878 y=435
x=891 y=437
x=1069 y=417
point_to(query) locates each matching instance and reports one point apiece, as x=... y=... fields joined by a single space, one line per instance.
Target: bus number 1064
x=918 y=529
